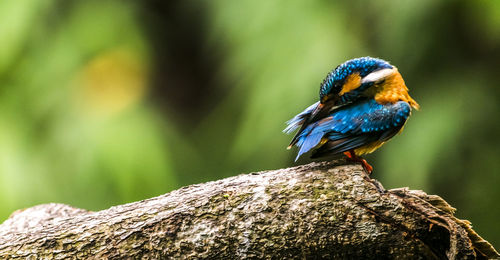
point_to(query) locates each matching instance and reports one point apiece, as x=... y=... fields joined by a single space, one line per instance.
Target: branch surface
x=319 y=210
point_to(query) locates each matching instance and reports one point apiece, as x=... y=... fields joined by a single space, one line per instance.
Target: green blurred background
x=108 y=102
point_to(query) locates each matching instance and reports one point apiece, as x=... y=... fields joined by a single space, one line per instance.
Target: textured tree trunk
x=319 y=210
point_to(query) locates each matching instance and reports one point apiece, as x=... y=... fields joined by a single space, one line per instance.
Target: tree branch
x=319 y=210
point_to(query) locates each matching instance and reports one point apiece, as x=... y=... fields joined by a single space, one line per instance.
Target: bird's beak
x=316 y=111
x=322 y=110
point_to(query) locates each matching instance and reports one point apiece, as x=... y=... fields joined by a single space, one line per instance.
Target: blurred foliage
x=107 y=102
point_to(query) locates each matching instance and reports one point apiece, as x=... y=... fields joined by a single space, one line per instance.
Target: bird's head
x=358 y=78
x=355 y=74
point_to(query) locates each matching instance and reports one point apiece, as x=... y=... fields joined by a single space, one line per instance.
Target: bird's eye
x=338 y=87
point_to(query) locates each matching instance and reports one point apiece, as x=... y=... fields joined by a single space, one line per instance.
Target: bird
x=363 y=103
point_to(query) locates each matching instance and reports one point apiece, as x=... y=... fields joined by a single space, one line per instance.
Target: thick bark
x=319 y=210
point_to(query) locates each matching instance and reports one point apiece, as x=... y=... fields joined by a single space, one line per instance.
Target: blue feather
x=298 y=120
x=308 y=143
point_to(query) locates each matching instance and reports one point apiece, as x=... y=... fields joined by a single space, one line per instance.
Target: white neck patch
x=378 y=75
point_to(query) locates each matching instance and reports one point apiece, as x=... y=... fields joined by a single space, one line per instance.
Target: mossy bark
x=319 y=210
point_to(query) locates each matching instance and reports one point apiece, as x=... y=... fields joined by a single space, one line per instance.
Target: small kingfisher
x=364 y=102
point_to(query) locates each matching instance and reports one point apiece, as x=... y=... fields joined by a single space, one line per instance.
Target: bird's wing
x=307 y=117
x=353 y=126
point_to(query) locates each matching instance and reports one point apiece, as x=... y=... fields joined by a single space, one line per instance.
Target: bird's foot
x=368 y=168
x=351 y=156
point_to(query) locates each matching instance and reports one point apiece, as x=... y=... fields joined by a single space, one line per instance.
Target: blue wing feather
x=354 y=125
x=308 y=143
x=298 y=120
